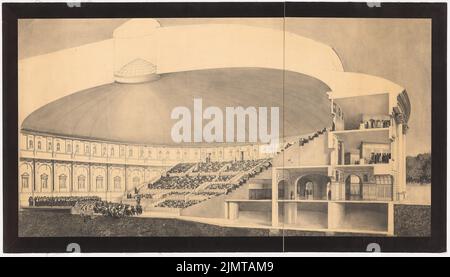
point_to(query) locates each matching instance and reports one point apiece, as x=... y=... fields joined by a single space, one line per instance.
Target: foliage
x=418 y=168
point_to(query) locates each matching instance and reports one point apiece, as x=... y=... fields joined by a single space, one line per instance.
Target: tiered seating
x=181 y=182
x=243 y=165
x=179 y=204
x=209 y=167
x=224 y=178
x=184 y=190
x=222 y=186
x=181 y=168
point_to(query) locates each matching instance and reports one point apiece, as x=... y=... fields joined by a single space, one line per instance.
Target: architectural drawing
x=226 y=124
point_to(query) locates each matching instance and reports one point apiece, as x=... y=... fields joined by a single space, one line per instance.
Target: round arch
x=353 y=187
x=312 y=187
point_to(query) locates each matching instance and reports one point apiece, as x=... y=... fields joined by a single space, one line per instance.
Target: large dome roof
x=141 y=112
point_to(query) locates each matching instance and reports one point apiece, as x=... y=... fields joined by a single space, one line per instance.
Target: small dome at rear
x=136 y=71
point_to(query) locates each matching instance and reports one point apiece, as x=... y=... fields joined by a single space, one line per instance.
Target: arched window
x=30 y=144
x=117 y=182
x=39 y=145
x=81 y=182
x=44 y=181
x=99 y=182
x=49 y=146
x=62 y=181
x=136 y=181
x=25 y=180
x=353 y=188
x=58 y=147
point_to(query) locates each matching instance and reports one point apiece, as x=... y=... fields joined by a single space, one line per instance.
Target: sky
x=395 y=49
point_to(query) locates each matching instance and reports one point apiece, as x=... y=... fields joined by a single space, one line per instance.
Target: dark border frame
x=14 y=244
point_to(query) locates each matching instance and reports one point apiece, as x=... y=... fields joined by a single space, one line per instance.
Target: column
x=71 y=177
x=390 y=219
x=290 y=213
x=336 y=214
x=274 y=198
x=233 y=210
x=226 y=214
x=53 y=177
x=89 y=179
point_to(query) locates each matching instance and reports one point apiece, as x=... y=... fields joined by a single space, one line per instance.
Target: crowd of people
x=116 y=210
x=376 y=123
x=304 y=141
x=243 y=165
x=222 y=186
x=181 y=168
x=377 y=158
x=224 y=178
x=209 y=167
x=179 y=204
x=59 y=201
x=181 y=182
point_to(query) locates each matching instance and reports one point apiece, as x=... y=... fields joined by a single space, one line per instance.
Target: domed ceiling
x=141 y=112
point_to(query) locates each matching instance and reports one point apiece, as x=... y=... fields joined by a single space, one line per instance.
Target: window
x=30 y=144
x=69 y=148
x=122 y=151
x=135 y=181
x=62 y=181
x=39 y=145
x=149 y=154
x=366 y=178
x=81 y=182
x=25 y=179
x=58 y=147
x=99 y=182
x=112 y=152
x=44 y=179
x=117 y=182
x=142 y=153
x=77 y=148
x=49 y=146
x=130 y=152
x=86 y=150
x=94 y=149
x=104 y=151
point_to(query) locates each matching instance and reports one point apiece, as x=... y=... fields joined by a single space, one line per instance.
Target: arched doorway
x=353 y=188
x=312 y=187
x=283 y=190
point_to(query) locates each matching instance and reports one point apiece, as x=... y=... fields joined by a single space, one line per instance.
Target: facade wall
x=61 y=166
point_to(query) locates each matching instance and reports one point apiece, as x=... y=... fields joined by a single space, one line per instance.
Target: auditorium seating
x=223 y=178
x=180 y=204
x=181 y=168
x=197 y=182
x=209 y=167
x=181 y=182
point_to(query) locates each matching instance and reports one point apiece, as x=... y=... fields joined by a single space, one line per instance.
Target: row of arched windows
x=81 y=182
x=122 y=151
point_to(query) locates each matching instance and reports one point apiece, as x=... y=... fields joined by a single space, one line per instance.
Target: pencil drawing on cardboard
x=224 y=127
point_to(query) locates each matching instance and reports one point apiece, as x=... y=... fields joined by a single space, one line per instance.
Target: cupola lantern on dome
x=136 y=71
